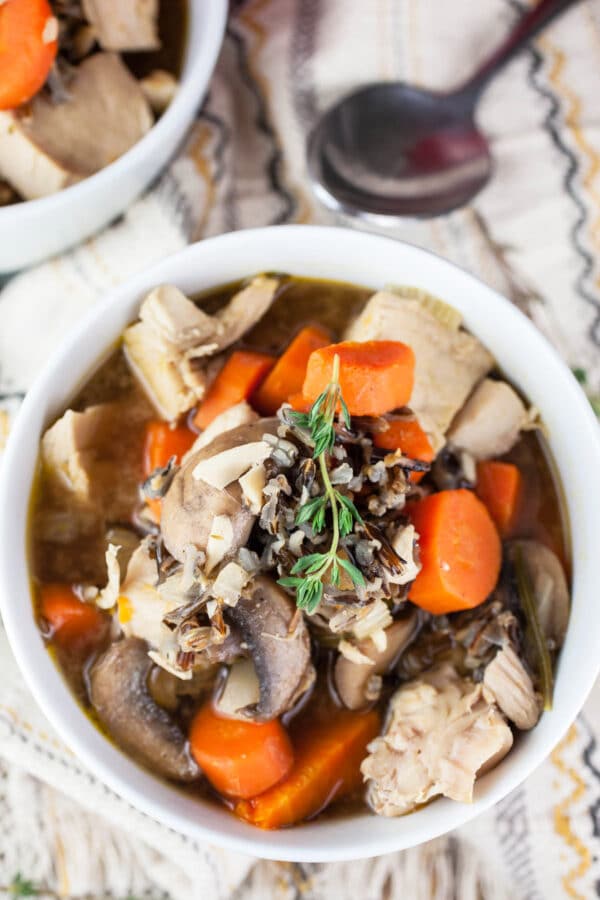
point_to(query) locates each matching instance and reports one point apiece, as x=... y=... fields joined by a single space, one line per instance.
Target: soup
x=298 y=546
x=98 y=76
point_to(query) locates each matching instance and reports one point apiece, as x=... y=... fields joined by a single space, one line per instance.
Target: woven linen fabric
x=533 y=233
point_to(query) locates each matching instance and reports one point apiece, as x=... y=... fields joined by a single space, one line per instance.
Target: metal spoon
x=390 y=149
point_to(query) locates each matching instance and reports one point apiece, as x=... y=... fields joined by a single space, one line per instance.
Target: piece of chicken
x=442 y=731
x=490 y=422
x=511 y=686
x=46 y=146
x=449 y=361
x=168 y=349
x=159 y=88
x=124 y=24
x=92 y=460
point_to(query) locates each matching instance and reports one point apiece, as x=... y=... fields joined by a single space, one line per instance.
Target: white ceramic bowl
x=350 y=256
x=36 y=229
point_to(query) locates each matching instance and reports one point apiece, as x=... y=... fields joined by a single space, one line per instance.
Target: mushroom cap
x=119 y=694
x=191 y=504
x=549 y=585
x=352 y=678
x=281 y=658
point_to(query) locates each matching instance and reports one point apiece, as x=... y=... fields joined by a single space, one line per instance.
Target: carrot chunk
x=287 y=376
x=499 y=487
x=240 y=759
x=238 y=379
x=28 y=46
x=375 y=376
x=460 y=552
x=74 y=625
x=299 y=402
x=161 y=443
x=408 y=436
x=327 y=767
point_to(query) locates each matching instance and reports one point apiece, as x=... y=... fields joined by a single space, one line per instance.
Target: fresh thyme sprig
x=311 y=572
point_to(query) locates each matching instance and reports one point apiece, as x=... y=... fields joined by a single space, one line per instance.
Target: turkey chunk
x=176 y=319
x=167 y=348
x=160 y=371
x=68 y=450
x=92 y=461
x=449 y=361
x=124 y=24
x=442 y=731
x=510 y=684
x=47 y=146
x=489 y=423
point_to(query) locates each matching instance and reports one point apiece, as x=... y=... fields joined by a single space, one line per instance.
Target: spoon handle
x=528 y=26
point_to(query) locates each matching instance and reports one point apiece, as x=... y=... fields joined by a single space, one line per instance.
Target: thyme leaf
x=310 y=573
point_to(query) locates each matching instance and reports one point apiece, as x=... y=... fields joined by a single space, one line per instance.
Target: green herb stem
x=331 y=495
x=538 y=639
x=308 y=572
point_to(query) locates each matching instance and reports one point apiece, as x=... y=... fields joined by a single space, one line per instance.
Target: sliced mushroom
x=242 y=689
x=168 y=690
x=281 y=657
x=549 y=587
x=510 y=683
x=119 y=694
x=240 y=414
x=354 y=681
x=192 y=505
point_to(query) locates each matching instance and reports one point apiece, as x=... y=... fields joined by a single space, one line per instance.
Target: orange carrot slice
x=408 y=436
x=327 y=767
x=163 y=441
x=287 y=376
x=74 y=625
x=460 y=552
x=28 y=46
x=499 y=487
x=375 y=376
x=240 y=759
x=238 y=379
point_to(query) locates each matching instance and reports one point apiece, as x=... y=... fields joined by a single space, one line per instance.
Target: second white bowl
x=35 y=229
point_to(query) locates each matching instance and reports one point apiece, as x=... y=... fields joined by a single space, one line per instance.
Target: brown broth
x=299 y=302
x=173 y=33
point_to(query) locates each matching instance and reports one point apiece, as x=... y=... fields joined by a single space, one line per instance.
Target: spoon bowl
x=392 y=149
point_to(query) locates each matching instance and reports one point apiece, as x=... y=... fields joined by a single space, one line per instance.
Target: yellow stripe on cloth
x=573 y=121
x=562 y=817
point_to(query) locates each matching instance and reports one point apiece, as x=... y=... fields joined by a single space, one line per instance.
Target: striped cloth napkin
x=534 y=234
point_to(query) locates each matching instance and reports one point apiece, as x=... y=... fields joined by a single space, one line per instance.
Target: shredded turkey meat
x=168 y=348
x=442 y=731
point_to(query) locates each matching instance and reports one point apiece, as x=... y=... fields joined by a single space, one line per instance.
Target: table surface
x=534 y=234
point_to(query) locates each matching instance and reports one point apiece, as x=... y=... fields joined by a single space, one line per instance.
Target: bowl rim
x=333 y=840
x=199 y=61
